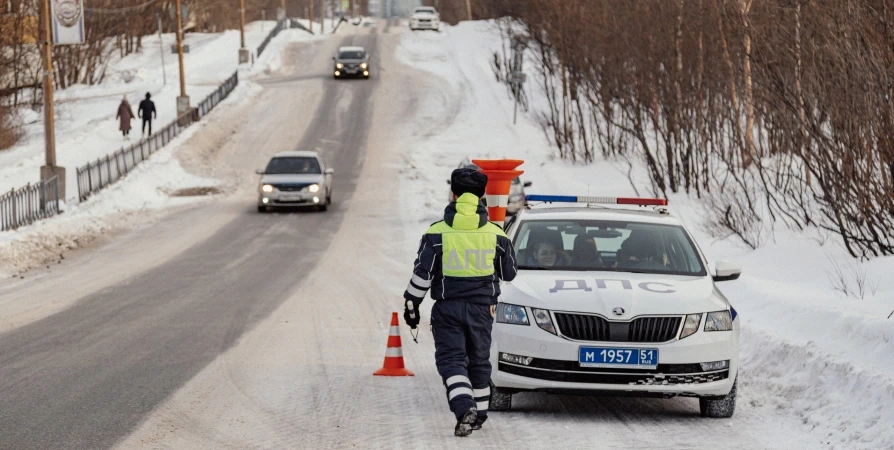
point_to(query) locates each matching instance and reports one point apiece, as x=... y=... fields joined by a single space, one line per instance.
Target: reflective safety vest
x=463 y=257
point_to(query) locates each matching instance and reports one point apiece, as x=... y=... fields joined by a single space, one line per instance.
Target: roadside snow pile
x=808 y=350
x=86 y=127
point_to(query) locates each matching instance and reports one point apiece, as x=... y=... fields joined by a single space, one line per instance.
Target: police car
x=613 y=300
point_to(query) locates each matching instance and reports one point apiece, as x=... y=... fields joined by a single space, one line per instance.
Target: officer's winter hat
x=468 y=180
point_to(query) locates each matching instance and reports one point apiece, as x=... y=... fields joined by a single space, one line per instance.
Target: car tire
x=499 y=400
x=262 y=209
x=719 y=407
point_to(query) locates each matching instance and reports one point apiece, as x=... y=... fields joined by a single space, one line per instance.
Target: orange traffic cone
x=394 y=356
x=500 y=173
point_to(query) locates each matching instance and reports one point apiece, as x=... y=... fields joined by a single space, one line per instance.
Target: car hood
x=350 y=61
x=602 y=292
x=290 y=178
x=424 y=16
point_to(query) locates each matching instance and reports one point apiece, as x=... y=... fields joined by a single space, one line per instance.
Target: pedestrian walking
x=146 y=111
x=462 y=260
x=125 y=115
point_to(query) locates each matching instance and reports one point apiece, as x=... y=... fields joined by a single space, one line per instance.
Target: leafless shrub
x=791 y=100
x=10 y=129
x=852 y=280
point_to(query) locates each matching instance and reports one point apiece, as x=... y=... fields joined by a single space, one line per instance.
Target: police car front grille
x=582 y=327
x=653 y=329
x=582 y=375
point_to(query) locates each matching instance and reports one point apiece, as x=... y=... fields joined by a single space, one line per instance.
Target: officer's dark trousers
x=462 y=334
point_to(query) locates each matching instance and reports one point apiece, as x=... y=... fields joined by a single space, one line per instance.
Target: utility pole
x=183 y=99
x=310 y=17
x=323 y=17
x=161 y=47
x=50 y=169
x=243 y=52
x=469 y=8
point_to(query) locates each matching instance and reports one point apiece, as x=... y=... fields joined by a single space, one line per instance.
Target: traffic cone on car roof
x=500 y=173
x=394 y=356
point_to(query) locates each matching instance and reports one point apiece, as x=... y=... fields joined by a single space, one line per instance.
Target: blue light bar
x=602 y=200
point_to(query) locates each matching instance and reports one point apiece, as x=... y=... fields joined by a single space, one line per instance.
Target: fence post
x=15 y=214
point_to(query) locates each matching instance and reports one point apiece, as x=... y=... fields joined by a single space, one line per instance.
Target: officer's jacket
x=462 y=257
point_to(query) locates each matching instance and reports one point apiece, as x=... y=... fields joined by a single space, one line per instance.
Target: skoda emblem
x=618 y=311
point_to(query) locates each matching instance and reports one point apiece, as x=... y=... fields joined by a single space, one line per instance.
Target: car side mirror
x=726 y=271
x=527 y=184
x=329 y=171
x=259 y=171
x=333 y=58
x=448 y=181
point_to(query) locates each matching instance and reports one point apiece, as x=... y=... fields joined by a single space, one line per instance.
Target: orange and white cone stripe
x=394 y=356
x=500 y=173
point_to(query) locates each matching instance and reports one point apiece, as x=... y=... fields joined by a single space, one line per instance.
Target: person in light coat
x=124 y=116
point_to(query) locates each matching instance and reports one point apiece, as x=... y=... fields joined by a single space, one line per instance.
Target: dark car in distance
x=351 y=62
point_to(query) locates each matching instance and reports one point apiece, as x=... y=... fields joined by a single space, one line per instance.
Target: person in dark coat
x=147 y=112
x=125 y=115
x=461 y=261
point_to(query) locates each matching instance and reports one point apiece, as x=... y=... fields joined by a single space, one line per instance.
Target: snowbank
x=86 y=127
x=808 y=350
x=87 y=131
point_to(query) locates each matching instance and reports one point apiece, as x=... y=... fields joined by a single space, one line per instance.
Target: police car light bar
x=600 y=200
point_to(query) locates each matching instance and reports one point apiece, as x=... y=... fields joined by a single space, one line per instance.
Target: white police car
x=613 y=300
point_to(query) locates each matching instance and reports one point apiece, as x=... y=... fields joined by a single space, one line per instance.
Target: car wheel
x=262 y=209
x=719 y=407
x=499 y=400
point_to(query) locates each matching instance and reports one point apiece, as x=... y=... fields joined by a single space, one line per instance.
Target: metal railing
x=24 y=206
x=99 y=174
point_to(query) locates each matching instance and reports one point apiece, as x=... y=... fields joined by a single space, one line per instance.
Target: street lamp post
x=50 y=169
x=183 y=99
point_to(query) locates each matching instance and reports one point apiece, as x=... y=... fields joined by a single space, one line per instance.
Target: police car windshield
x=606 y=246
x=293 y=165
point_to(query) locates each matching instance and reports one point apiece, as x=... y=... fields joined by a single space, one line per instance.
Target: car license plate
x=290 y=197
x=634 y=358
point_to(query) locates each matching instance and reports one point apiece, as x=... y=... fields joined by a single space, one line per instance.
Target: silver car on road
x=295 y=178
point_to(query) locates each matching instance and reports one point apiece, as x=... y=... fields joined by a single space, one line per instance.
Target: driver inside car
x=640 y=251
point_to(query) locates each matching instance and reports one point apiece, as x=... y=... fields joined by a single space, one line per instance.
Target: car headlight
x=512 y=314
x=267 y=188
x=314 y=187
x=339 y=65
x=543 y=320
x=363 y=65
x=719 y=321
x=690 y=326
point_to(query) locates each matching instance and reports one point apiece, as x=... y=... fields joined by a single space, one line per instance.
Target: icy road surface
x=222 y=328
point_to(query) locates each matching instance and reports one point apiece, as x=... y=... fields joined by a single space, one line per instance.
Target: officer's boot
x=479 y=422
x=464 y=425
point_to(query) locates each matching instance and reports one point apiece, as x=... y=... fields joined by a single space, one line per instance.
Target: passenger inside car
x=585 y=253
x=545 y=249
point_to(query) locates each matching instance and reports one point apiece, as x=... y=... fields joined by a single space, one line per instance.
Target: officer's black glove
x=411 y=315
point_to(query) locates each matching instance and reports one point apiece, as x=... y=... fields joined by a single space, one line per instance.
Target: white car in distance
x=425 y=18
x=613 y=301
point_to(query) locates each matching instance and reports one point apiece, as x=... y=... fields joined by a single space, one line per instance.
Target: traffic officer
x=462 y=260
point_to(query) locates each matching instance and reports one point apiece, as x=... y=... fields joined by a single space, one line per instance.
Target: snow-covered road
x=221 y=328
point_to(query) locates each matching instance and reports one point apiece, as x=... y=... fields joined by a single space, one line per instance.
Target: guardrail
x=24 y=206
x=97 y=175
